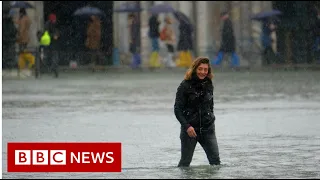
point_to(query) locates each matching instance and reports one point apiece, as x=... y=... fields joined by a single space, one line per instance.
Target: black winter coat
x=228 y=42
x=185 y=37
x=194 y=104
x=154 y=27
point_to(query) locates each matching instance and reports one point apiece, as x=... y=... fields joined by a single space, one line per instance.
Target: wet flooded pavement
x=267 y=123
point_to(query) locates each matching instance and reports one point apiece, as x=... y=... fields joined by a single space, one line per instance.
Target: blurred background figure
x=93 y=40
x=154 y=35
x=168 y=36
x=52 y=56
x=268 y=41
x=134 y=31
x=227 y=41
x=185 y=45
x=23 y=39
x=317 y=36
x=9 y=33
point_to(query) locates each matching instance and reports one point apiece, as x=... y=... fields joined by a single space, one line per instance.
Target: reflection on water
x=267 y=123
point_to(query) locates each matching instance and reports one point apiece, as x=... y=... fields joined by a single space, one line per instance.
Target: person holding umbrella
x=93 y=41
x=268 y=27
x=268 y=21
x=23 y=39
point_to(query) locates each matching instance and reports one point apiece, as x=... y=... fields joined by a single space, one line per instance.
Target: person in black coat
x=193 y=109
x=185 y=45
x=228 y=42
x=185 y=37
x=134 y=47
x=154 y=33
x=53 y=51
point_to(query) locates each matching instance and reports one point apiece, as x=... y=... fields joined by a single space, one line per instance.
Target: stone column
x=235 y=18
x=202 y=44
x=36 y=17
x=175 y=5
x=186 y=8
x=255 y=25
x=123 y=32
x=216 y=26
x=116 y=25
x=145 y=42
x=245 y=24
x=162 y=15
x=267 y=5
x=115 y=19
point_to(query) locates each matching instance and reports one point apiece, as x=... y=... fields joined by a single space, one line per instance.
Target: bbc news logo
x=58 y=157
x=64 y=157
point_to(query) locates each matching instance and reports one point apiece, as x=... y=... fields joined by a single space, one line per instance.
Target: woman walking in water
x=193 y=108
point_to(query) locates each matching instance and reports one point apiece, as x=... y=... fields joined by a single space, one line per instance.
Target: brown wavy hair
x=196 y=63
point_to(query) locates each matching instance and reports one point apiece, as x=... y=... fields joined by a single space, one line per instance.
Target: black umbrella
x=89 y=11
x=265 y=15
x=129 y=7
x=161 y=8
x=182 y=18
x=21 y=4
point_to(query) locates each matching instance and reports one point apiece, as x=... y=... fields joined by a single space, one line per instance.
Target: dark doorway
x=296 y=34
x=73 y=29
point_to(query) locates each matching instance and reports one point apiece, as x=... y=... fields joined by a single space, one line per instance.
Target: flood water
x=267 y=123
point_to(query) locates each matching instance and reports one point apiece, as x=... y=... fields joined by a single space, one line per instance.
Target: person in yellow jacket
x=45 y=39
x=45 y=50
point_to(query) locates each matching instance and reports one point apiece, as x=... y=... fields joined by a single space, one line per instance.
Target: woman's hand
x=191 y=132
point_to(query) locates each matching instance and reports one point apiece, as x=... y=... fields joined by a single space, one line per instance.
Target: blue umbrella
x=89 y=11
x=21 y=4
x=265 y=15
x=128 y=7
x=161 y=8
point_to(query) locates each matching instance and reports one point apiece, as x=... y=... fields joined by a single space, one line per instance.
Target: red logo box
x=64 y=157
